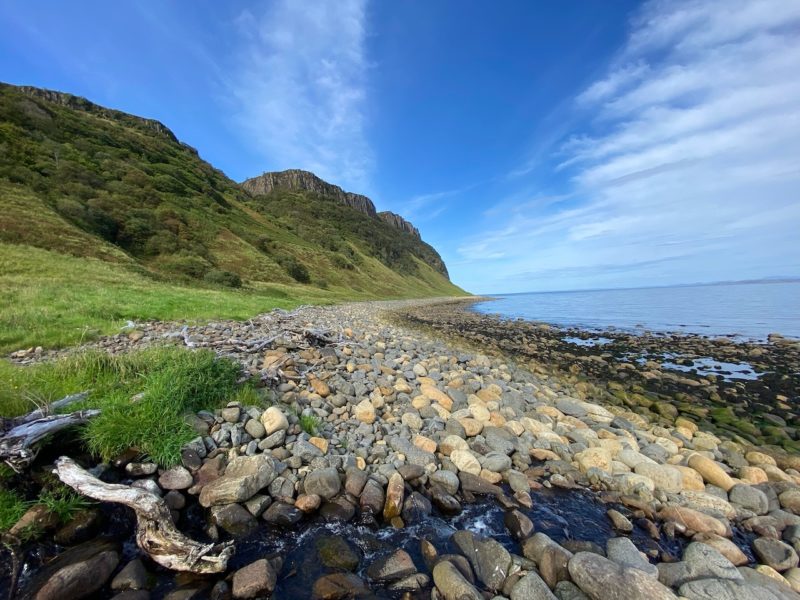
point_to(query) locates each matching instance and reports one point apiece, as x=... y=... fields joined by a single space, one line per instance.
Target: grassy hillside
x=108 y=217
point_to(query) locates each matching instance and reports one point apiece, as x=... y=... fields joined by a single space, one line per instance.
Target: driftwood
x=156 y=534
x=18 y=444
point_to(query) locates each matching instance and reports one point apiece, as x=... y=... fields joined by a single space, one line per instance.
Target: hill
x=102 y=192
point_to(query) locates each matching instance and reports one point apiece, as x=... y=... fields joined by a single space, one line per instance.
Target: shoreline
x=698 y=376
x=416 y=425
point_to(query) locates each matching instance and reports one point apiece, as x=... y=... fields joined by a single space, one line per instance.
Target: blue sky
x=537 y=145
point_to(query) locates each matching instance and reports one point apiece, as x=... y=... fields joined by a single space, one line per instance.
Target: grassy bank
x=55 y=300
x=143 y=395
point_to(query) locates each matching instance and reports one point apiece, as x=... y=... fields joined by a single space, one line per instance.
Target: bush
x=226 y=278
x=295 y=269
x=187 y=265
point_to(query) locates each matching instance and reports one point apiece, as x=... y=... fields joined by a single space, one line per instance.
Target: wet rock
x=531 y=587
x=694 y=520
x=137 y=469
x=725 y=589
x=132 y=595
x=451 y=583
x=776 y=554
x=372 y=497
x=518 y=524
x=234 y=519
x=339 y=586
x=395 y=492
x=75 y=573
x=308 y=503
x=81 y=528
x=244 y=477
x=336 y=553
x=700 y=561
x=551 y=558
x=476 y=485
x=623 y=552
x=488 y=558
x=411 y=583
x=620 y=522
x=566 y=590
x=325 y=483
x=282 y=514
x=444 y=501
x=38 y=518
x=447 y=479
x=724 y=546
x=602 y=579
x=466 y=461
x=415 y=508
x=338 y=509
x=133 y=576
x=255 y=580
x=395 y=566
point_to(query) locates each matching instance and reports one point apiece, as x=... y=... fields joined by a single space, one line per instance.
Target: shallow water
x=752 y=310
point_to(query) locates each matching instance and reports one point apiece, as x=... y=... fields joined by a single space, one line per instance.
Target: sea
x=749 y=311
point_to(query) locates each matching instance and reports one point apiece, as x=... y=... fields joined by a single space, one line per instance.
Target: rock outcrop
x=297 y=179
x=399 y=222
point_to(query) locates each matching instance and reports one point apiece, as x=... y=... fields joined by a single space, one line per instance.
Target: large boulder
x=75 y=573
x=325 y=483
x=602 y=579
x=244 y=477
x=452 y=585
x=488 y=558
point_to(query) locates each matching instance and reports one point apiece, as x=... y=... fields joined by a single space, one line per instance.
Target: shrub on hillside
x=295 y=269
x=220 y=277
x=187 y=265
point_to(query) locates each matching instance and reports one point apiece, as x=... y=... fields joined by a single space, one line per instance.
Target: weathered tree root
x=156 y=534
x=18 y=445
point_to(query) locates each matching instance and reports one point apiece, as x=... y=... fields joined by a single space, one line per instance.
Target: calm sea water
x=749 y=310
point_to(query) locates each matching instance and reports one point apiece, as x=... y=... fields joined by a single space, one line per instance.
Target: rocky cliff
x=297 y=179
x=399 y=222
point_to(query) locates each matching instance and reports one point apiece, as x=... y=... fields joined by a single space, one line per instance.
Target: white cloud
x=300 y=87
x=690 y=169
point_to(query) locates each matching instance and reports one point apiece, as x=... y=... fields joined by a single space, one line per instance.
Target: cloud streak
x=687 y=168
x=300 y=87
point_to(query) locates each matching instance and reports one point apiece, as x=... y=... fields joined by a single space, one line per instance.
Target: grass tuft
x=12 y=507
x=310 y=424
x=63 y=502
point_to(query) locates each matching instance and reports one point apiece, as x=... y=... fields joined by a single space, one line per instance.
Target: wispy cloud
x=426 y=207
x=301 y=87
x=690 y=167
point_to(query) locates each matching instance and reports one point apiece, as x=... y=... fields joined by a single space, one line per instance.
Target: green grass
x=63 y=502
x=170 y=382
x=54 y=300
x=12 y=507
x=310 y=424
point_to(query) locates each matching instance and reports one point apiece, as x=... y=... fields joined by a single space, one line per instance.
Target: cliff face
x=399 y=222
x=296 y=179
x=82 y=104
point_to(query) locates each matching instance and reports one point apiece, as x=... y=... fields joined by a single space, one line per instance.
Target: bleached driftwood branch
x=156 y=534
x=18 y=445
